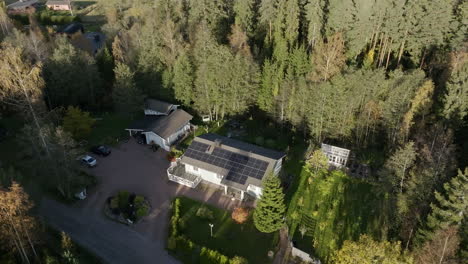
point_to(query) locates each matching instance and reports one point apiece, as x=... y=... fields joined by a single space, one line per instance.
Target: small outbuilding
x=59 y=5
x=337 y=157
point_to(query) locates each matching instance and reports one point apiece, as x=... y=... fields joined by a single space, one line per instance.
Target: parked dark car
x=101 y=150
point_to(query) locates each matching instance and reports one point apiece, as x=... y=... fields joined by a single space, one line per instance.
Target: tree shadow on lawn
x=358 y=209
x=229 y=238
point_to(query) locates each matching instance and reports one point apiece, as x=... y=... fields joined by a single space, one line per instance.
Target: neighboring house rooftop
x=164 y=126
x=58 y=2
x=238 y=162
x=157 y=105
x=22 y=4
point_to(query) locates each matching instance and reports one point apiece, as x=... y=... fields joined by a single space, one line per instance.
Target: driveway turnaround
x=137 y=169
x=110 y=241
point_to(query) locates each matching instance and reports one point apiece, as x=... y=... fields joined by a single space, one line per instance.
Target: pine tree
x=269 y=213
x=183 y=79
x=450 y=208
x=127 y=97
x=456 y=97
x=244 y=15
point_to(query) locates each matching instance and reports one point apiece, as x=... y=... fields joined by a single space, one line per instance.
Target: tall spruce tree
x=127 y=97
x=269 y=213
x=450 y=208
x=456 y=97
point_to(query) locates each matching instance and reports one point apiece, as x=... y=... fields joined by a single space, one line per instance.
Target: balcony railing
x=177 y=173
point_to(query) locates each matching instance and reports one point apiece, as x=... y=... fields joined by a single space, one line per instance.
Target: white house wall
x=152 y=112
x=254 y=190
x=206 y=175
x=151 y=136
x=278 y=165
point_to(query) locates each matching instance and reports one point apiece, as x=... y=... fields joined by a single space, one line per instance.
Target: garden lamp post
x=211 y=229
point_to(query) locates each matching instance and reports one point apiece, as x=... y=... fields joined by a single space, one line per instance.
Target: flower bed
x=127 y=208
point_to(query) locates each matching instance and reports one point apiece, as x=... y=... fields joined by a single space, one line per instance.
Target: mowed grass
x=229 y=238
x=336 y=208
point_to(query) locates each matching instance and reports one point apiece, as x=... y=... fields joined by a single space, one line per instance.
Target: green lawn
x=229 y=238
x=335 y=208
x=109 y=129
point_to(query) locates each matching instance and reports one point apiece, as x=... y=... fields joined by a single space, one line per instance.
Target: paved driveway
x=134 y=168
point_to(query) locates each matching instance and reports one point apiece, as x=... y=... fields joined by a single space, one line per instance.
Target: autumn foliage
x=240 y=215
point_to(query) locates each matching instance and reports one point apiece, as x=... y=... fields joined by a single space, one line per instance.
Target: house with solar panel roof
x=236 y=166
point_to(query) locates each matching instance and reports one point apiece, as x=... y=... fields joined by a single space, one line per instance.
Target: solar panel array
x=240 y=166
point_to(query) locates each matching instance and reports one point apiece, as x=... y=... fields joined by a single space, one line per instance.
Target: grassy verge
x=332 y=208
x=229 y=238
x=109 y=129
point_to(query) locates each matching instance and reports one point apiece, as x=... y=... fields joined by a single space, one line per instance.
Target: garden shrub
x=240 y=215
x=172 y=243
x=114 y=203
x=259 y=140
x=139 y=200
x=182 y=224
x=175 y=217
x=270 y=143
x=209 y=256
x=141 y=212
x=123 y=199
x=238 y=260
x=205 y=213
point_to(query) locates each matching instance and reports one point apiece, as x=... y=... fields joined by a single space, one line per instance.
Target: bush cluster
x=131 y=206
x=47 y=19
x=204 y=213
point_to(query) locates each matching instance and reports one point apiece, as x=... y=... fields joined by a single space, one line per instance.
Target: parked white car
x=89 y=161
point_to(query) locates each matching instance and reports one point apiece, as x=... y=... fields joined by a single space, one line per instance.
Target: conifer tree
x=270 y=210
x=450 y=208
x=456 y=97
x=244 y=15
x=127 y=98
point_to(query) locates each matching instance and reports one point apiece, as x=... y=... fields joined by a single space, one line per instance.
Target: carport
x=140 y=126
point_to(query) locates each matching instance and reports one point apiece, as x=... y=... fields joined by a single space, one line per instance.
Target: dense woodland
x=384 y=77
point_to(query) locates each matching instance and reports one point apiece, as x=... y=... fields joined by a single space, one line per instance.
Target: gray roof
x=164 y=126
x=58 y=2
x=238 y=162
x=268 y=153
x=157 y=105
x=21 y=4
x=145 y=124
x=168 y=125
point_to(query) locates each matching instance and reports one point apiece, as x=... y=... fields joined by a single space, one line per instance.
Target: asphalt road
x=111 y=241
